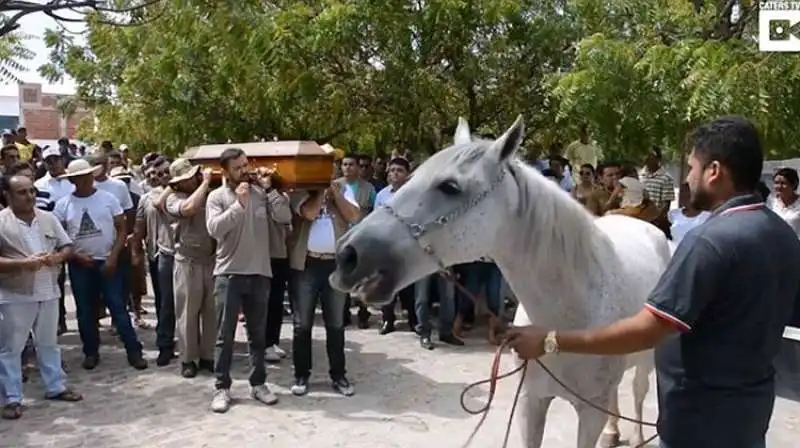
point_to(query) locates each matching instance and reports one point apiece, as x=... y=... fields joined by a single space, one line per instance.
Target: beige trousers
x=195 y=314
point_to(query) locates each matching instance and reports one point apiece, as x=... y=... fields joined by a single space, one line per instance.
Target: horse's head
x=448 y=212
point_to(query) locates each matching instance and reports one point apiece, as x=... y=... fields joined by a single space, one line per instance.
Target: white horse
x=567 y=269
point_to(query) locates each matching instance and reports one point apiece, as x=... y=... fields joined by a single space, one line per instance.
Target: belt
x=321 y=256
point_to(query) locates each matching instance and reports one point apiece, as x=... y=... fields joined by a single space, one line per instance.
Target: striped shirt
x=660 y=186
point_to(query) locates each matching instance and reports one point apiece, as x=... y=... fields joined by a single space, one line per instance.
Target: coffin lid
x=287 y=148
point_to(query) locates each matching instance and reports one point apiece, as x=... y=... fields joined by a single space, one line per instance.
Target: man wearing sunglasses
x=152 y=236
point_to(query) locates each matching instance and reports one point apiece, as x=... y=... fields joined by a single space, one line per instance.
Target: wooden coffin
x=300 y=164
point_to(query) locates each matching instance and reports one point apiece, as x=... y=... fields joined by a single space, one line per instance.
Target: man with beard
x=153 y=227
x=192 y=277
x=238 y=217
x=717 y=315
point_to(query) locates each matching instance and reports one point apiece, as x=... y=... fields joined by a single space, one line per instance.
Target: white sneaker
x=221 y=401
x=263 y=394
x=272 y=354
x=281 y=352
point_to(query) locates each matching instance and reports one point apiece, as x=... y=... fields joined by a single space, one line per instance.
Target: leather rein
x=420 y=233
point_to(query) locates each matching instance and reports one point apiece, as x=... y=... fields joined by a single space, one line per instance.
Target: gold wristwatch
x=551 y=343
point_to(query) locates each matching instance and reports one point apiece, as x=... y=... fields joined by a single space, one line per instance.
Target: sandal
x=12 y=411
x=66 y=395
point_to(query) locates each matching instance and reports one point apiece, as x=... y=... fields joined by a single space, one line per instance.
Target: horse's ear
x=505 y=146
x=462 y=135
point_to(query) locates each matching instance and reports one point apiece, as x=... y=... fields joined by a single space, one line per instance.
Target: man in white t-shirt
x=94 y=220
x=119 y=189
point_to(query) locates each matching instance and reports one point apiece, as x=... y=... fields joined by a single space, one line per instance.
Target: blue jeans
x=481 y=277
x=312 y=288
x=422 y=302
x=16 y=322
x=88 y=284
x=165 y=301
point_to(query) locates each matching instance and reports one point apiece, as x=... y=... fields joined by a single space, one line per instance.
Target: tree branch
x=18 y=9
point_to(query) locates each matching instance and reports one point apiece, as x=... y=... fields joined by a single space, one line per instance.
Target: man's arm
x=345 y=201
x=64 y=246
x=194 y=203
x=119 y=240
x=310 y=206
x=279 y=209
x=219 y=220
x=10 y=265
x=683 y=292
x=139 y=230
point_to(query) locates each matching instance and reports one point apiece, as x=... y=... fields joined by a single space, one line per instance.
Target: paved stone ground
x=405 y=397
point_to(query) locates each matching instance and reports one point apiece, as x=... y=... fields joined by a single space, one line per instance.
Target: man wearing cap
x=57 y=187
x=95 y=222
x=193 y=280
x=154 y=228
x=238 y=219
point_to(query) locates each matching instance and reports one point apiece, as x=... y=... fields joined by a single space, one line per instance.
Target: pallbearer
x=192 y=277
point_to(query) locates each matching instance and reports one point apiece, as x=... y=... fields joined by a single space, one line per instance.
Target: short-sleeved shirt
x=192 y=241
x=384 y=195
x=160 y=238
x=119 y=190
x=660 y=186
x=89 y=222
x=730 y=289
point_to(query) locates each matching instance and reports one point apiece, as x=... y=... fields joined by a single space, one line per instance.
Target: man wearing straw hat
x=95 y=222
x=192 y=278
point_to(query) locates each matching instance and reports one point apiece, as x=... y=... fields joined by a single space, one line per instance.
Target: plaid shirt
x=660 y=186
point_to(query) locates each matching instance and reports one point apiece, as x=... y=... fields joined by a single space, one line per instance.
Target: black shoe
x=188 y=370
x=451 y=340
x=300 y=386
x=425 y=342
x=363 y=320
x=386 y=328
x=207 y=365
x=343 y=386
x=90 y=362
x=164 y=357
x=137 y=361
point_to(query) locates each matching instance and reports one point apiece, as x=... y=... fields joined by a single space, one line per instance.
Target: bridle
x=421 y=233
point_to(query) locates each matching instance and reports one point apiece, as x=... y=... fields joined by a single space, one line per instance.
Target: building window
x=30 y=96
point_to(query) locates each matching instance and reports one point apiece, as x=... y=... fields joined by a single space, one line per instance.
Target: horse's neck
x=552 y=279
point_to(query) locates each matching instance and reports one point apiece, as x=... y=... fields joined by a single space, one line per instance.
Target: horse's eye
x=449 y=187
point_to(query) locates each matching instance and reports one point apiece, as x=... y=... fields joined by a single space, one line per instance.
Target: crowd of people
x=108 y=224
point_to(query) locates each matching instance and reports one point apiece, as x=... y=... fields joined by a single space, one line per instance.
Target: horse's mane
x=561 y=239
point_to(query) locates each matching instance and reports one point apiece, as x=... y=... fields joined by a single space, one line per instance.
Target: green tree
x=650 y=70
x=365 y=74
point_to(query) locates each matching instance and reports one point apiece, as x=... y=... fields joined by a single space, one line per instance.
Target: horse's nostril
x=347 y=259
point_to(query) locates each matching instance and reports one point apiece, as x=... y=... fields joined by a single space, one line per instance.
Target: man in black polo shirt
x=717 y=315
